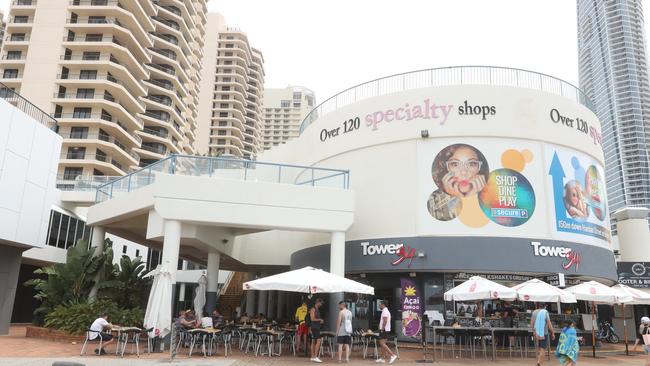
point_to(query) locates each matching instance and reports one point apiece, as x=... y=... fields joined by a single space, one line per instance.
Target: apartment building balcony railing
x=98 y=116
x=169 y=38
x=24 y=3
x=168 y=54
x=169 y=71
x=159 y=133
x=163 y=101
x=95 y=3
x=17 y=38
x=27 y=107
x=102 y=137
x=97 y=157
x=82 y=182
x=161 y=149
x=229 y=168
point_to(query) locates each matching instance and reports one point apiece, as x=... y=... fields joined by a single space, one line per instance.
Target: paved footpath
x=17 y=350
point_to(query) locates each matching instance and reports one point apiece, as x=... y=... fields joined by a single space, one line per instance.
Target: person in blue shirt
x=540 y=322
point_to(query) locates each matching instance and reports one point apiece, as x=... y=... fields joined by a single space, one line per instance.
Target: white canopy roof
x=638 y=297
x=308 y=280
x=537 y=290
x=479 y=288
x=597 y=292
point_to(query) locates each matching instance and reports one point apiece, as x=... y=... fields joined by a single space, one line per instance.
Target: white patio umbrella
x=638 y=298
x=540 y=291
x=308 y=280
x=479 y=288
x=159 y=307
x=199 y=296
x=597 y=292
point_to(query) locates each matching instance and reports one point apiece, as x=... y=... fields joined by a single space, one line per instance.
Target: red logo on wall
x=404 y=253
x=572 y=258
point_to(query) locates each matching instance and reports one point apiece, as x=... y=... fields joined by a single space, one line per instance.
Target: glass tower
x=614 y=74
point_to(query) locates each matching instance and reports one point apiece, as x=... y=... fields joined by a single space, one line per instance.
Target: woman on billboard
x=459 y=171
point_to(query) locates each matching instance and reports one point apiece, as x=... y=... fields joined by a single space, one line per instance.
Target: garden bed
x=51 y=335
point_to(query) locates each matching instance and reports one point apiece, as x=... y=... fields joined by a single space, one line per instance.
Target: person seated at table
x=244 y=318
x=217 y=318
x=189 y=321
x=97 y=329
x=261 y=318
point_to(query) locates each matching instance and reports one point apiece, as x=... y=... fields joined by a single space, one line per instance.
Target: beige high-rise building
x=232 y=86
x=121 y=76
x=284 y=110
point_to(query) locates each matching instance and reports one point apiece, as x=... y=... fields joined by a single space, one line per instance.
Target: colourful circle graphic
x=508 y=198
x=595 y=190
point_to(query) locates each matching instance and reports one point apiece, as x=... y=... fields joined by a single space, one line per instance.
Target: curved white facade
x=514 y=173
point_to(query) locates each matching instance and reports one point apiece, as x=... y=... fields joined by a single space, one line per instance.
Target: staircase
x=231 y=294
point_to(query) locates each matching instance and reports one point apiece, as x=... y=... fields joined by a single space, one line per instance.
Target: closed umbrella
x=597 y=292
x=479 y=288
x=308 y=280
x=159 y=307
x=638 y=298
x=199 y=297
x=539 y=291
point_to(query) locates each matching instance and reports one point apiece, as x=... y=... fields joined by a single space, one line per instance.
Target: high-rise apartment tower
x=121 y=76
x=232 y=87
x=614 y=75
x=284 y=110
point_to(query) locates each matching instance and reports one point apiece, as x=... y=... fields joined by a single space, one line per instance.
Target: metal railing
x=225 y=168
x=82 y=182
x=27 y=107
x=447 y=76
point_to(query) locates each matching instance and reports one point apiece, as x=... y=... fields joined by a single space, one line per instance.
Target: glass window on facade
x=64 y=230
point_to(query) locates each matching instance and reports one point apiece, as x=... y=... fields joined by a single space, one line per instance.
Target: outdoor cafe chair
x=289 y=337
x=264 y=340
x=370 y=337
x=226 y=337
x=327 y=344
x=97 y=339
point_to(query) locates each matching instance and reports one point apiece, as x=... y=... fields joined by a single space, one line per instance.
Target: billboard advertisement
x=509 y=187
x=411 y=308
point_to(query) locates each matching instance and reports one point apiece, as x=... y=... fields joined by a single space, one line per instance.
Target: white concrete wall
x=29 y=155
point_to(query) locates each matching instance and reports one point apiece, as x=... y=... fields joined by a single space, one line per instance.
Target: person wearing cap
x=644 y=328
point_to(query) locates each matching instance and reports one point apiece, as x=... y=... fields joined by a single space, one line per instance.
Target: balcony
x=109 y=122
x=105 y=138
x=100 y=159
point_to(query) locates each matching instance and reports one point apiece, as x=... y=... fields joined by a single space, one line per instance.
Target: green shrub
x=75 y=318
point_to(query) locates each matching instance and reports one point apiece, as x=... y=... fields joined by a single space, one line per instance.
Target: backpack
x=348 y=322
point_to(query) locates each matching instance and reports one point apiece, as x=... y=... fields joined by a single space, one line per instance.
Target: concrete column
x=171 y=246
x=250 y=298
x=262 y=302
x=270 y=310
x=97 y=242
x=213 y=281
x=10 y=259
x=181 y=288
x=633 y=234
x=281 y=312
x=337 y=267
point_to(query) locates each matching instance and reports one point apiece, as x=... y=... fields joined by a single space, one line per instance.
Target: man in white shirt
x=97 y=330
x=384 y=330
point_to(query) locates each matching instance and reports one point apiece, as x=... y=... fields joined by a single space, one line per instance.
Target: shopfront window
x=433 y=294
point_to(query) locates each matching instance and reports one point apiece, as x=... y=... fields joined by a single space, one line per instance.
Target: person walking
x=301 y=331
x=344 y=331
x=316 y=322
x=568 y=347
x=384 y=331
x=644 y=328
x=540 y=322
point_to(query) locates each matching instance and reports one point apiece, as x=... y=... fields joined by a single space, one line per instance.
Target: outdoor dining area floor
x=18 y=350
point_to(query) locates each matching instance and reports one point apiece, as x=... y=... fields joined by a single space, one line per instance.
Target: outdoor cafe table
x=123 y=332
x=483 y=331
x=473 y=332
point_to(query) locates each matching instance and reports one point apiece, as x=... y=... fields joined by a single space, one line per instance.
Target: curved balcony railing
x=447 y=76
x=225 y=168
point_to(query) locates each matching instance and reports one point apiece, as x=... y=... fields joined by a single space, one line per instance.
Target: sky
x=330 y=45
